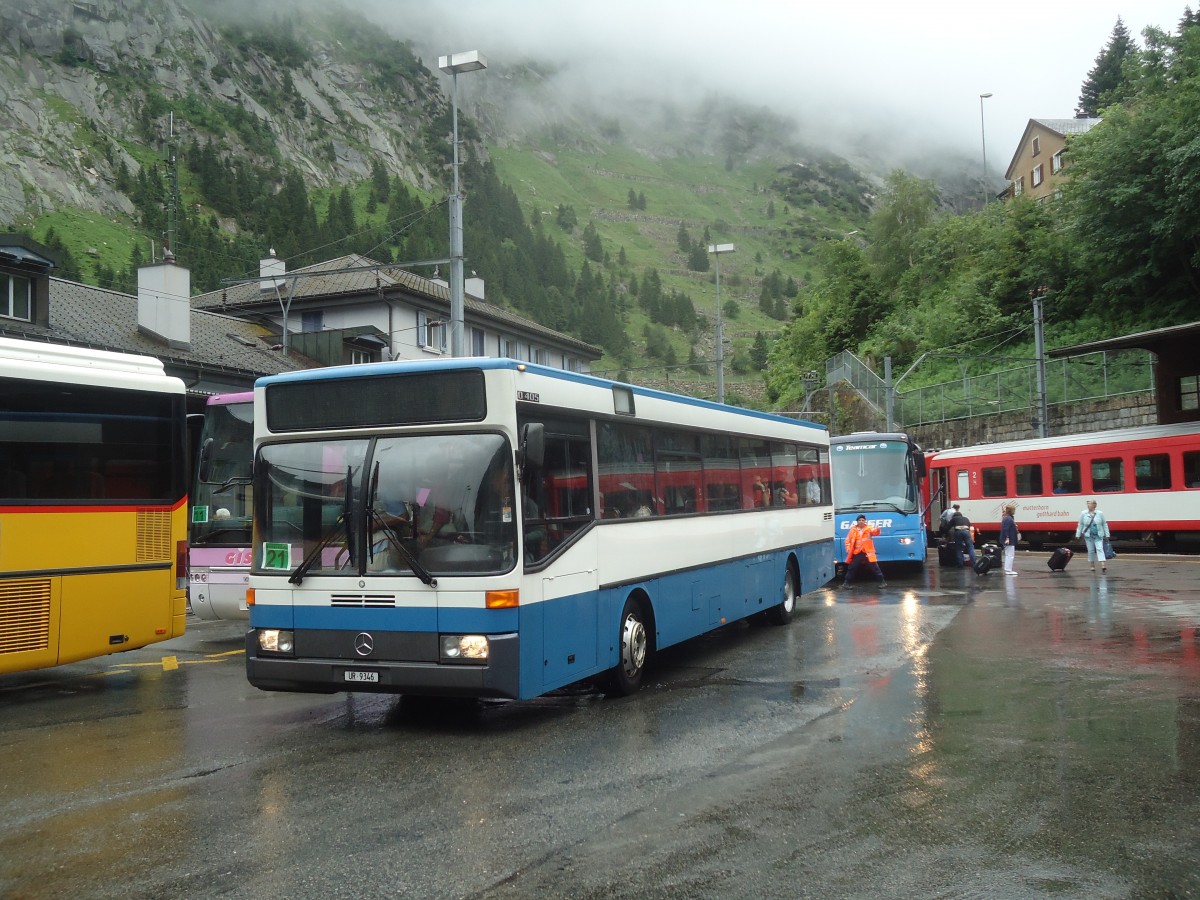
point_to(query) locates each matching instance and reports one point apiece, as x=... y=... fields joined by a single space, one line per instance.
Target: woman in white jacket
x=1093 y=528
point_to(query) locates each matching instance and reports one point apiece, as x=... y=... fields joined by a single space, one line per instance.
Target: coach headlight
x=464 y=648
x=276 y=640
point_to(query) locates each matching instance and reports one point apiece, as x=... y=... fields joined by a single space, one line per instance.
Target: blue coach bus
x=878 y=474
x=492 y=528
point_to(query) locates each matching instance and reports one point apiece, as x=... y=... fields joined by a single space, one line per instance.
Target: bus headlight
x=464 y=648
x=276 y=640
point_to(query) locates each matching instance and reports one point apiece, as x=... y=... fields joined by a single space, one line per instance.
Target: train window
x=1191 y=468
x=1152 y=473
x=1029 y=480
x=1108 y=475
x=1065 y=476
x=962 y=486
x=995 y=482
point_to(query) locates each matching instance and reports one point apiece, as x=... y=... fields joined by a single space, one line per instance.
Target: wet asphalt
x=950 y=736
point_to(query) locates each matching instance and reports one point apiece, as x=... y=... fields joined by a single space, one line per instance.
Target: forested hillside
x=318 y=134
x=1119 y=251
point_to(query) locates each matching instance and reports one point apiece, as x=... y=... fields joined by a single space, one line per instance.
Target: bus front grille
x=24 y=615
x=363 y=601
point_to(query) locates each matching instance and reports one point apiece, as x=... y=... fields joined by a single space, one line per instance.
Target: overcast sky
x=922 y=63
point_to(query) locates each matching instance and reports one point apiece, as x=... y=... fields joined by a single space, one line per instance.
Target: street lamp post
x=716 y=250
x=983 y=139
x=466 y=61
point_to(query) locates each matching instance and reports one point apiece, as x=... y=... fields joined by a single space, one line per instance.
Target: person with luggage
x=860 y=551
x=960 y=527
x=1093 y=528
x=946 y=516
x=1009 y=537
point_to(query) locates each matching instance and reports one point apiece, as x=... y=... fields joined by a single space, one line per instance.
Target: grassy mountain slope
x=745 y=205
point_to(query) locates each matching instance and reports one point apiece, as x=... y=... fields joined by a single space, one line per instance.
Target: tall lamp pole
x=983 y=139
x=716 y=250
x=467 y=61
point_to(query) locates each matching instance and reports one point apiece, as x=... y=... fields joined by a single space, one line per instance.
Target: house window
x=1035 y=177
x=572 y=364
x=312 y=321
x=1037 y=146
x=478 y=348
x=541 y=357
x=1189 y=392
x=431 y=333
x=15 y=293
x=512 y=349
x=1019 y=186
x=358 y=356
x=1056 y=163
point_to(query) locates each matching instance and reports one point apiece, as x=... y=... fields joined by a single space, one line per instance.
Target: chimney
x=269 y=270
x=164 y=303
x=474 y=286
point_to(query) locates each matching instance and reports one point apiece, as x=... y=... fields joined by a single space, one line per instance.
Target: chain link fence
x=1089 y=376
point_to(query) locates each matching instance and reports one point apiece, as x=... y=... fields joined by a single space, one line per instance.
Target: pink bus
x=220 y=522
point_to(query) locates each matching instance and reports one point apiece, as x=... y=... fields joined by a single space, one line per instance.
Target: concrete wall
x=1126 y=411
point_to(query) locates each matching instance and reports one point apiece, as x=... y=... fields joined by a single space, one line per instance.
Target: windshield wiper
x=871 y=504
x=314 y=554
x=381 y=524
x=378 y=522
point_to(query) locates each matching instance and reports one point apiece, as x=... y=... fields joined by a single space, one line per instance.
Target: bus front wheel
x=633 y=645
x=782 y=614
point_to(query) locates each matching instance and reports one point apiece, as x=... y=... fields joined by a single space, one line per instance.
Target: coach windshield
x=419 y=505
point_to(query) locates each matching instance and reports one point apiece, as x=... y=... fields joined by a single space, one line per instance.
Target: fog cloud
x=867 y=77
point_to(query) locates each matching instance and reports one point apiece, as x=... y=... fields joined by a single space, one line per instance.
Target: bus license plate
x=362 y=676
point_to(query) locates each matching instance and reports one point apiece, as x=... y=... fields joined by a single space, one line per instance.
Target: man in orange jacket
x=860 y=550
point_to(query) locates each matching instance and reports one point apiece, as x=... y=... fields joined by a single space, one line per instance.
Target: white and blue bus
x=879 y=474
x=392 y=553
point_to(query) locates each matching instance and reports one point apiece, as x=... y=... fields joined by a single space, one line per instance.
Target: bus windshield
x=221 y=507
x=874 y=475
x=415 y=505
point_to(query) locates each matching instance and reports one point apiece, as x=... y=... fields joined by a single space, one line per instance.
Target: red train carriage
x=1147 y=481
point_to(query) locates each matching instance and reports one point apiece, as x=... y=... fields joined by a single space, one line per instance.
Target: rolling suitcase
x=1059 y=558
x=948 y=554
x=983 y=564
x=992 y=552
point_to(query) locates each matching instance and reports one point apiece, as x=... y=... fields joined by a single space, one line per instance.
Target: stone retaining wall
x=1126 y=411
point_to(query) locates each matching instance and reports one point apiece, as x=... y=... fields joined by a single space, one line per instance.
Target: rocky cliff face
x=88 y=87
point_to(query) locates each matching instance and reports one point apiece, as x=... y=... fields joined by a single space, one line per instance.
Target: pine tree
x=592 y=247
x=632 y=202
x=1105 y=80
x=683 y=240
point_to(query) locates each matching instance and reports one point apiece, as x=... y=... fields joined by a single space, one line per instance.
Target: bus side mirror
x=533 y=446
x=922 y=469
x=204 y=468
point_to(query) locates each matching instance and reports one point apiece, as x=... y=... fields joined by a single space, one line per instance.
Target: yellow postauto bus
x=93 y=504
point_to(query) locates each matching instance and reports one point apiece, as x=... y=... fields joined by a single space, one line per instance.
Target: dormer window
x=16 y=295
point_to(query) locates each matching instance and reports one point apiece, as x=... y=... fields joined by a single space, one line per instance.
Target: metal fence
x=1089 y=376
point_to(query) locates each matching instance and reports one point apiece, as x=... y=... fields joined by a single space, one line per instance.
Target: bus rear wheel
x=782 y=614
x=633 y=646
